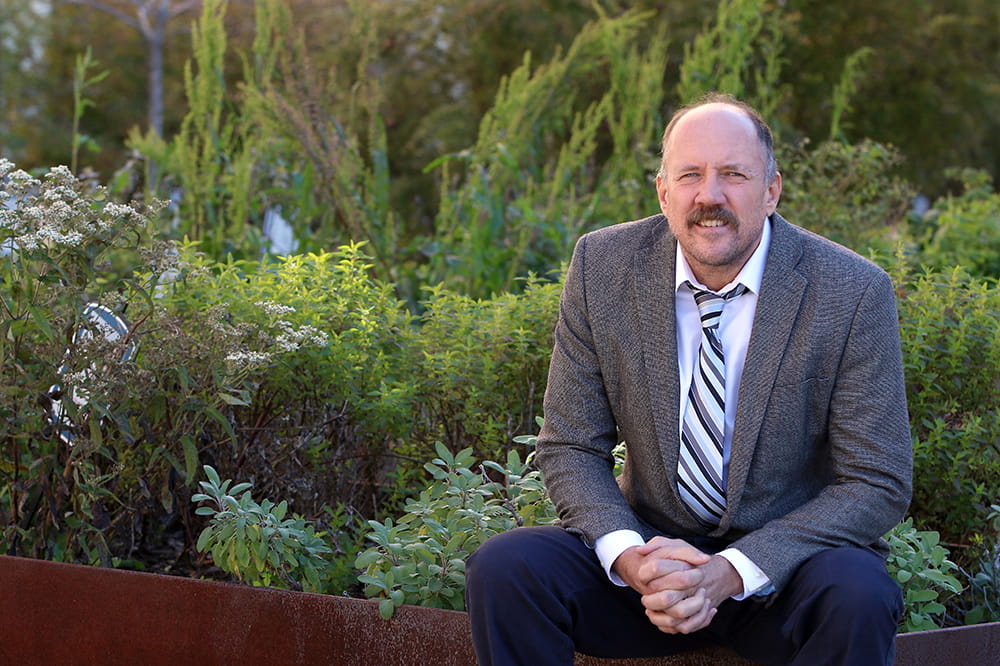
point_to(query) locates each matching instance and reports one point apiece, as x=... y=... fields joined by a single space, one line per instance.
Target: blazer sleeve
x=869 y=467
x=574 y=449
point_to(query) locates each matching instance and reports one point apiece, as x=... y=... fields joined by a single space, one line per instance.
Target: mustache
x=699 y=215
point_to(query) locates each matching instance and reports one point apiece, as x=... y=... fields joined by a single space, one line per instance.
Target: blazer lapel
x=653 y=271
x=782 y=288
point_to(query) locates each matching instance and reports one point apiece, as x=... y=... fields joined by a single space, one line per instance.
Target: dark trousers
x=537 y=594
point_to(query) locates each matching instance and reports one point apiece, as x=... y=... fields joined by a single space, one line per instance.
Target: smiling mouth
x=711 y=218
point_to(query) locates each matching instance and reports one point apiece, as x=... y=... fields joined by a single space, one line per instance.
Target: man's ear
x=661 y=194
x=773 y=194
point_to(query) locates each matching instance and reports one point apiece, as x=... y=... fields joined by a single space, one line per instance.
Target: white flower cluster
x=52 y=212
x=78 y=378
x=60 y=175
x=248 y=359
x=291 y=338
x=15 y=181
x=273 y=309
x=219 y=320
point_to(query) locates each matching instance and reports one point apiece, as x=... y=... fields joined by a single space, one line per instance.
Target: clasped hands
x=681 y=586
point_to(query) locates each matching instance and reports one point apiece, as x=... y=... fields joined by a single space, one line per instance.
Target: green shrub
x=64 y=491
x=420 y=559
x=739 y=53
x=951 y=358
x=537 y=176
x=256 y=542
x=963 y=230
x=316 y=353
x=276 y=373
x=325 y=367
x=301 y=376
x=212 y=158
x=482 y=368
x=920 y=564
x=980 y=599
x=847 y=193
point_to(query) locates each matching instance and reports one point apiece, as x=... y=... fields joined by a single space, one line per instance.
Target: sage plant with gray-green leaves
x=255 y=541
x=420 y=559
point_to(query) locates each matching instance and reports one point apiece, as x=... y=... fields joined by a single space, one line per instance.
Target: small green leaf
x=242 y=553
x=921 y=595
x=204 y=539
x=262 y=551
x=280 y=510
x=212 y=475
x=239 y=488
x=367 y=558
x=231 y=399
x=190 y=458
x=366 y=579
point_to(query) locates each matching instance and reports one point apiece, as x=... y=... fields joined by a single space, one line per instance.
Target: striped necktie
x=700 y=465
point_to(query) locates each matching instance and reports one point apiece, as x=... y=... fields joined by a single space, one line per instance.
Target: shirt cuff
x=613 y=544
x=755 y=581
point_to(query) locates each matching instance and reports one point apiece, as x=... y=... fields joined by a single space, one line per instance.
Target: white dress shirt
x=735 y=326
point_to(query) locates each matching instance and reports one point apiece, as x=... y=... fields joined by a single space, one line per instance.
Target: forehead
x=714 y=134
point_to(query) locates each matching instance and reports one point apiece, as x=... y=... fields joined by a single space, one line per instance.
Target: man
x=753 y=370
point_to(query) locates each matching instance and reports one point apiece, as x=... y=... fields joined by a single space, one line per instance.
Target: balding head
x=763 y=132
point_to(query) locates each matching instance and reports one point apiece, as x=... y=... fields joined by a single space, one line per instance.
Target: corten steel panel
x=978 y=645
x=65 y=614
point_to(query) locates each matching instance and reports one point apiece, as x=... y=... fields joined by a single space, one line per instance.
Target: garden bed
x=69 y=614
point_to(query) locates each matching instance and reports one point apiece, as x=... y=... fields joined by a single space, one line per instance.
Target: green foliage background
x=436 y=186
x=929 y=85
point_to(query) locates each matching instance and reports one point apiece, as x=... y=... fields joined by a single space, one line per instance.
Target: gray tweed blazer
x=821 y=453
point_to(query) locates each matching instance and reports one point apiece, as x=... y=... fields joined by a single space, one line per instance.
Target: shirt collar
x=749 y=276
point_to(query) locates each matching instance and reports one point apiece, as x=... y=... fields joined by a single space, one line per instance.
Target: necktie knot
x=710 y=303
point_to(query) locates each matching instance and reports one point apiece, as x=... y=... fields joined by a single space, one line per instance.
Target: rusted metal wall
x=63 y=614
x=66 y=614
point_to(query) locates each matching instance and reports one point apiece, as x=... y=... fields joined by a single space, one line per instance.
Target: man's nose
x=710 y=192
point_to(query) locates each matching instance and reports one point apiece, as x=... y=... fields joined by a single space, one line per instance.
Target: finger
x=656 y=542
x=697 y=614
x=661 y=578
x=659 y=542
x=655 y=567
x=664 y=599
x=673 y=549
x=670 y=624
x=684 y=553
x=678 y=604
x=698 y=621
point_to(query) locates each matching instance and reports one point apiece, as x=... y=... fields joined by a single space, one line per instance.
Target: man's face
x=713 y=190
